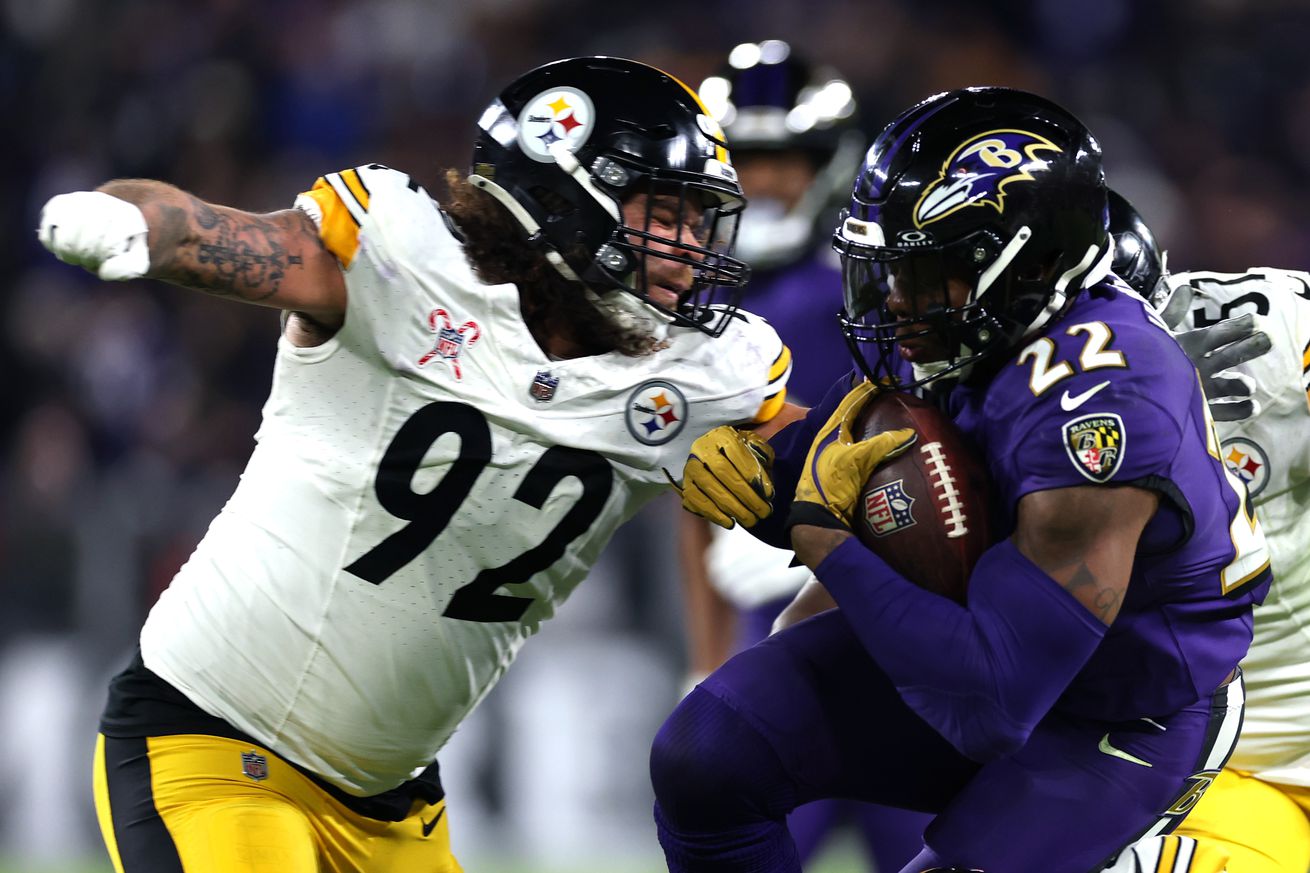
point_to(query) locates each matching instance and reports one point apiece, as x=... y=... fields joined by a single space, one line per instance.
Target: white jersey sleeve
x=1271 y=453
x=427 y=487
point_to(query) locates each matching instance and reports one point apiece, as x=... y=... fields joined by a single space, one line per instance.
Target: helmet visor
x=917 y=304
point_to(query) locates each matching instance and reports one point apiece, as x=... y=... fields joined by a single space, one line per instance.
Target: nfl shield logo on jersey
x=543 y=386
x=888 y=509
x=1095 y=444
x=254 y=765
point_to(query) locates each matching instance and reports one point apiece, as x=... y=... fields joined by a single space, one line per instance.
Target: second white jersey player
x=1271 y=453
x=378 y=569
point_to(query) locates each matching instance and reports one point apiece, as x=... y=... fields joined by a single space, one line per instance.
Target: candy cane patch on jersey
x=450 y=340
x=1248 y=462
x=1095 y=444
x=656 y=412
x=889 y=508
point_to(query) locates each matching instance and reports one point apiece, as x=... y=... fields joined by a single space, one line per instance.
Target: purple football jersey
x=1106 y=397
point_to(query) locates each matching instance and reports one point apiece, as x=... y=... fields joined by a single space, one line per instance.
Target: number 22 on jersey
x=1095 y=355
x=1250 y=554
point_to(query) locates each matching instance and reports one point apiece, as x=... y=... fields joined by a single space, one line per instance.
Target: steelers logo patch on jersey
x=1095 y=444
x=1248 y=462
x=656 y=412
x=560 y=114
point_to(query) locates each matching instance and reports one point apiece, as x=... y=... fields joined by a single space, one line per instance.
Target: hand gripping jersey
x=427 y=488
x=1271 y=454
x=1106 y=397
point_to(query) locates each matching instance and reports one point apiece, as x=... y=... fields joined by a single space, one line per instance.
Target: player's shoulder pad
x=748 y=356
x=342 y=204
x=1107 y=391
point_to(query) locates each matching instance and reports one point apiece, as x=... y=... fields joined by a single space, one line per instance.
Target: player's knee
x=708 y=765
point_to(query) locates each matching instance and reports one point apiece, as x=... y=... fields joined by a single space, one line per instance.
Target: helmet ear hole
x=552 y=202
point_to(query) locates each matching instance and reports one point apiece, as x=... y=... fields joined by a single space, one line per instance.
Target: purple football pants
x=890 y=837
x=807 y=714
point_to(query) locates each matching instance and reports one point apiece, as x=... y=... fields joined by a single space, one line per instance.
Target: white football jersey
x=749 y=573
x=427 y=488
x=1271 y=453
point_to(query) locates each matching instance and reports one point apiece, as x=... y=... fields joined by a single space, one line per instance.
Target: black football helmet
x=565 y=145
x=769 y=99
x=977 y=216
x=1137 y=256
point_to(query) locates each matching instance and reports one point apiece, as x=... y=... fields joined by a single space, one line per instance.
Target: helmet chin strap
x=1099 y=269
x=521 y=215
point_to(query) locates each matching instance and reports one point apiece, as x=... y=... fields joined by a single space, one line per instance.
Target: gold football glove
x=726 y=478
x=838 y=465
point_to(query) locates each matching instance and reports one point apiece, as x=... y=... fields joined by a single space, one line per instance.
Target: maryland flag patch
x=1095 y=444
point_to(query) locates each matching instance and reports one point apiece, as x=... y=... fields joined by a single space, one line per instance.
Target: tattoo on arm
x=223 y=252
x=1101 y=600
x=239 y=255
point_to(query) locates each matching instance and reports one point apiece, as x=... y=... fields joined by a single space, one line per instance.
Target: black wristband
x=804 y=512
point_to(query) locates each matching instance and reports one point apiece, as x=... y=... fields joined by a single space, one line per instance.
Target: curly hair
x=553 y=307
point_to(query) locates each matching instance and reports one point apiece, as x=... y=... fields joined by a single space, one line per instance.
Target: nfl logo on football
x=888 y=509
x=254 y=765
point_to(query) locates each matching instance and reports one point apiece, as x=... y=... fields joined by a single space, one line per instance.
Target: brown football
x=926 y=512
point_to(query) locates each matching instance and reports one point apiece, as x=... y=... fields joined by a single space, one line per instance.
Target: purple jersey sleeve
x=1107 y=398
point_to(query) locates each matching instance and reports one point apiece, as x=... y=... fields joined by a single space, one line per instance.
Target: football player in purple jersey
x=1087 y=692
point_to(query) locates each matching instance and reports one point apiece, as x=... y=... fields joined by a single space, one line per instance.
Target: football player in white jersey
x=1249 y=334
x=468 y=399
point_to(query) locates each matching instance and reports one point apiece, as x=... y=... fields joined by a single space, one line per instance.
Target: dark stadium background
x=128 y=409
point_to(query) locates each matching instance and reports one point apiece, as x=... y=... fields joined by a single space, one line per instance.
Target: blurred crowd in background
x=129 y=409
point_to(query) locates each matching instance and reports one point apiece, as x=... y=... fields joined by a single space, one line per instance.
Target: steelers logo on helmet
x=560 y=114
x=978 y=171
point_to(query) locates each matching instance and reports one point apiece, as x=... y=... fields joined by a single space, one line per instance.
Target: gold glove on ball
x=838 y=464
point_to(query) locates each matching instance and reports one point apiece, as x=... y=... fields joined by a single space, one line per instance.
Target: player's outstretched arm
x=133 y=228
